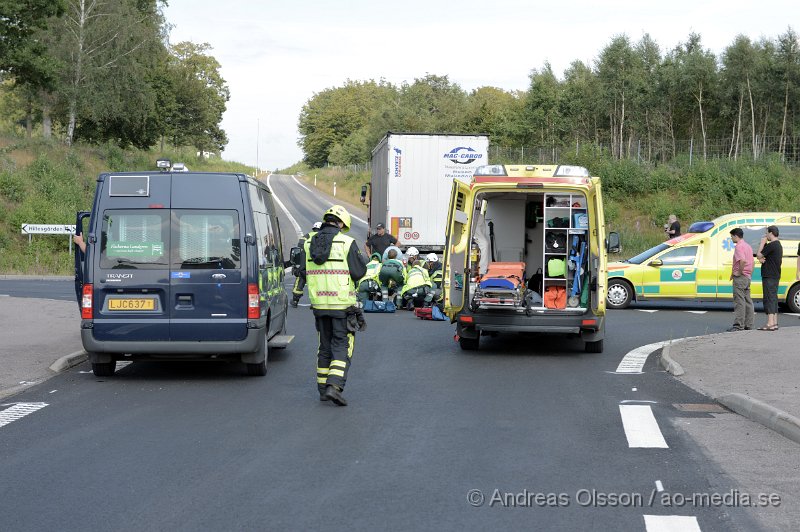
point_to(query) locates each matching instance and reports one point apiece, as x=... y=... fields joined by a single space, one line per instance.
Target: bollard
x=334 y=189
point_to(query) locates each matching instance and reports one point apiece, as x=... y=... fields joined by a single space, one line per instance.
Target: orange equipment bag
x=555 y=297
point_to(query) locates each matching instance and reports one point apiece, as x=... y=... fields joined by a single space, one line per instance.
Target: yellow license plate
x=132 y=304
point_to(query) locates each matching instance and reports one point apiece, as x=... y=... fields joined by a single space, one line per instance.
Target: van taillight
x=87 y=302
x=253 y=307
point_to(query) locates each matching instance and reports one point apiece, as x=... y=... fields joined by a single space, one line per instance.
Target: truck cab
x=525 y=251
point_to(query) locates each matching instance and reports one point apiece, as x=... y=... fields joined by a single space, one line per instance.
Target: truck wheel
x=619 y=295
x=259 y=369
x=469 y=344
x=594 y=347
x=104 y=369
x=793 y=298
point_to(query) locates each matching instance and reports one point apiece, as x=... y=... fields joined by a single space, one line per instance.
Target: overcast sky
x=275 y=54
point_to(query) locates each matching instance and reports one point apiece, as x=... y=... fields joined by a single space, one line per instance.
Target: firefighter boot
x=333 y=393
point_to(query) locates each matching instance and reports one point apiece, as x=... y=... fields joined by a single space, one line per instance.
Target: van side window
x=684 y=256
x=206 y=239
x=135 y=239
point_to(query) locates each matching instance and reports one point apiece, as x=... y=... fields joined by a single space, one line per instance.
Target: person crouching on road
x=369 y=285
x=436 y=274
x=298 y=271
x=333 y=266
x=417 y=291
x=741 y=272
x=770 y=255
x=392 y=274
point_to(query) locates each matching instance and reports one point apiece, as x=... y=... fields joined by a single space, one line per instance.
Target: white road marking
x=625 y=401
x=52 y=391
x=641 y=427
x=645 y=310
x=305 y=187
x=671 y=523
x=123 y=364
x=282 y=206
x=634 y=361
x=634 y=389
x=19 y=411
x=659 y=486
x=696 y=311
x=5 y=295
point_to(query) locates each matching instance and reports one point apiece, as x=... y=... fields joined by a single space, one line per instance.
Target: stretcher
x=502 y=286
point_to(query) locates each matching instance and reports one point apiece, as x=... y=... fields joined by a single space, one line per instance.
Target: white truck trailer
x=412 y=179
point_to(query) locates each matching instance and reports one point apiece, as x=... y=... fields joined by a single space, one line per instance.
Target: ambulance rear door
x=457 y=248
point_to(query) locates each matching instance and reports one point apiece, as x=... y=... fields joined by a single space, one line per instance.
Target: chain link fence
x=784 y=149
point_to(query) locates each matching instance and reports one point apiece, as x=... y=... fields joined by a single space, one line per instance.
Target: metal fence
x=654 y=152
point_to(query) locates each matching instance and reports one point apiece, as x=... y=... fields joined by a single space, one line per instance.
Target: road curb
x=6 y=277
x=773 y=418
x=68 y=361
x=669 y=364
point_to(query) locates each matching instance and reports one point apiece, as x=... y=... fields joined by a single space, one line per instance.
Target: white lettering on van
x=119 y=276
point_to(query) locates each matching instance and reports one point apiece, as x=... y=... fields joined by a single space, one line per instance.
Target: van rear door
x=599 y=256
x=208 y=286
x=457 y=248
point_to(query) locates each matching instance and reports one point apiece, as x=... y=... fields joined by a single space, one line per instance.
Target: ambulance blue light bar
x=571 y=171
x=491 y=169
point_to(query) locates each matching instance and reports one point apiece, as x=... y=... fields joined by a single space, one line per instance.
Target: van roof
x=532 y=175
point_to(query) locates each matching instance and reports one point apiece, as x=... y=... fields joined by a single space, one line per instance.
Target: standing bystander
x=673 y=227
x=770 y=255
x=381 y=240
x=741 y=272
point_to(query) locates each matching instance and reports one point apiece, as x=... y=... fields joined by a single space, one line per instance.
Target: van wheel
x=594 y=347
x=104 y=369
x=793 y=299
x=259 y=369
x=469 y=344
x=619 y=294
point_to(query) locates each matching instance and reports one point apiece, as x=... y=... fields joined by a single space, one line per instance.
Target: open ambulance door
x=599 y=255
x=457 y=246
x=80 y=256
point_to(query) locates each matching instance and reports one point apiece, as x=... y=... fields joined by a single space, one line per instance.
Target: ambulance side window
x=684 y=256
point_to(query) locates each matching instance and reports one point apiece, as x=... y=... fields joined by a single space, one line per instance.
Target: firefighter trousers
x=335 y=351
x=299 y=284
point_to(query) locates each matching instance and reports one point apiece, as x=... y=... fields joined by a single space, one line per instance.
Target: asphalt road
x=201 y=447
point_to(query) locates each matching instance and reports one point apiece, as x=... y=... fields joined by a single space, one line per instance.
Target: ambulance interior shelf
x=565 y=248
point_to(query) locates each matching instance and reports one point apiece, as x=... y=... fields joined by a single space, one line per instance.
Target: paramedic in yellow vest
x=436 y=275
x=370 y=283
x=298 y=271
x=333 y=266
x=417 y=291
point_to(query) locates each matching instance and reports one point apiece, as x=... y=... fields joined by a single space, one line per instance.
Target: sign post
x=48 y=229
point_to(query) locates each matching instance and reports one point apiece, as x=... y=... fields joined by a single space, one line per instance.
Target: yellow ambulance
x=697 y=265
x=525 y=251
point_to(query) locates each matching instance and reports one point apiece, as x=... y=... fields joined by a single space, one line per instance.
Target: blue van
x=181 y=265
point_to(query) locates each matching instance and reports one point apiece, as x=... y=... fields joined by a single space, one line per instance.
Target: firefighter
x=412 y=256
x=369 y=285
x=297 y=271
x=333 y=265
x=417 y=291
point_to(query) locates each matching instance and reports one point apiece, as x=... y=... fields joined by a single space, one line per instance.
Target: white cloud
x=275 y=55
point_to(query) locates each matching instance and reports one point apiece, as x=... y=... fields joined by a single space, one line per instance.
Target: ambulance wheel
x=793 y=298
x=594 y=347
x=259 y=369
x=104 y=369
x=469 y=344
x=620 y=294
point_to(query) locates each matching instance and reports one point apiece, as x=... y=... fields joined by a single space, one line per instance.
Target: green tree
x=23 y=55
x=619 y=70
x=787 y=67
x=542 y=106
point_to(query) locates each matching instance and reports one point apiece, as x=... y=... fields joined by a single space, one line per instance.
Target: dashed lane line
x=641 y=427
x=671 y=523
x=18 y=411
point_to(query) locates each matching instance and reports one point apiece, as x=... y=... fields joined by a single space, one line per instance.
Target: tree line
x=103 y=70
x=633 y=98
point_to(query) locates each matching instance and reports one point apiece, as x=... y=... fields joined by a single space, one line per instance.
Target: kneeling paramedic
x=417 y=291
x=298 y=271
x=333 y=266
x=369 y=287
